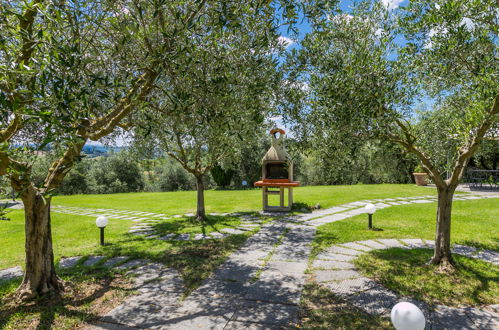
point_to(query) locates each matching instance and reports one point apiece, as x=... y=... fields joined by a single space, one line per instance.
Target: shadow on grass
x=195 y=260
x=179 y=225
x=406 y=272
x=85 y=293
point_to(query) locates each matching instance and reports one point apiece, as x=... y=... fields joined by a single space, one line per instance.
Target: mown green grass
x=474 y=282
x=78 y=235
x=221 y=201
x=474 y=223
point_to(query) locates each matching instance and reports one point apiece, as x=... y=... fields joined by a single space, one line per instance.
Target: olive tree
x=212 y=100
x=368 y=70
x=70 y=72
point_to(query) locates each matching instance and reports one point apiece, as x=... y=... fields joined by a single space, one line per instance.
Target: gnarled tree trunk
x=442 y=254
x=200 y=211
x=40 y=278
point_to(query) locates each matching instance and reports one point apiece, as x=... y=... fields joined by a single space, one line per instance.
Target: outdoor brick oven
x=277 y=172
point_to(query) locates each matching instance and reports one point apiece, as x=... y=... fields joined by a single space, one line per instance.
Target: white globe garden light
x=101 y=222
x=407 y=316
x=370 y=209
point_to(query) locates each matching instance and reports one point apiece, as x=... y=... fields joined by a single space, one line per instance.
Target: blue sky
x=345 y=6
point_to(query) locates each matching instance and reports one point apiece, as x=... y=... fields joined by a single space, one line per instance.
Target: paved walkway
x=334 y=269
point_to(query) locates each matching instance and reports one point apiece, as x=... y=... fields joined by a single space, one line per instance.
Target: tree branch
x=106 y=124
x=62 y=166
x=410 y=147
x=14 y=127
x=470 y=148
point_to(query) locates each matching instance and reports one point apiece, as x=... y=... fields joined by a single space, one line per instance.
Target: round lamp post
x=370 y=209
x=407 y=316
x=101 y=222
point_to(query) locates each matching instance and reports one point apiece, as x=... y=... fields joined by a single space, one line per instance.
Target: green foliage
x=169 y=175
x=222 y=177
x=370 y=162
x=360 y=84
x=114 y=174
x=487 y=156
x=419 y=169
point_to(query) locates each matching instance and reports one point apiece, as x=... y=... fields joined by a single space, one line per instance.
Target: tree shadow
x=398 y=269
x=73 y=303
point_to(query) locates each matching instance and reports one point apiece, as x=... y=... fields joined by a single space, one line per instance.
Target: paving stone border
x=335 y=270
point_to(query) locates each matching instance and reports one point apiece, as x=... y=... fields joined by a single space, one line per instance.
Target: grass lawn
x=474 y=223
x=77 y=235
x=181 y=202
x=474 y=282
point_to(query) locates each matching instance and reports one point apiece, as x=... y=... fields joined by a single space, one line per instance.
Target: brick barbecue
x=277 y=172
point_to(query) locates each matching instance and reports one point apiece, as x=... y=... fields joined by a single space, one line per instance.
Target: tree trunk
x=40 y=278
x=200 y=211
x=442 y=255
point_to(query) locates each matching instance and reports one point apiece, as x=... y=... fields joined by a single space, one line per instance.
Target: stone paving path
x=334 y=269
x=260 y=285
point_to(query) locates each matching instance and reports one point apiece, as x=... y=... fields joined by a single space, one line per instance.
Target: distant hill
x=95 y=150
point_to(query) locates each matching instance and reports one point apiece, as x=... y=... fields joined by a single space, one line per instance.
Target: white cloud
x=379 y=32
x=391 y=4
x=432 y=33
x=468 y=23
x=285 y=41
x=340 y=18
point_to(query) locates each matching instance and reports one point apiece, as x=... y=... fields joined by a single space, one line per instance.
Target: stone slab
x=146 y=310
x=331 y=264
x=342 y=250
x=413 y=242
x=355 y=246
x=198 y=237
x=92 y=261
x=69 y=262
x=167 y=237
x=390 y=242
x=373 y=244
x=131 y=264
x=276 y=288
x=234 y=270
x=268 y=314
x=467 y=251
x=287 y=268
x=351 y=286
x=11 y=273
x=335 y=275
x=232 y=231
x=217 y=235
x=452 y=318
x=292 y=252
x=114 y=261
x=183 y=237
x=327 y=255
x=483 y=319
x=377 y=300
x=236 y=325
